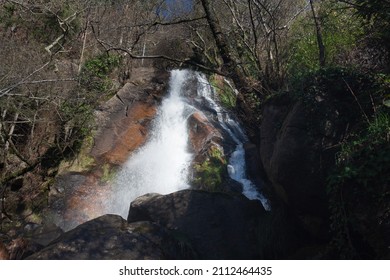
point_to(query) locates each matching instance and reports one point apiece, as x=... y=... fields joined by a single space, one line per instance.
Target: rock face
x=187 y=224
x=110 y=237
x=291 y=159
x=202 y=135
x=299 y=138
x=124 y=120
x=122 y=125
x=217 y=225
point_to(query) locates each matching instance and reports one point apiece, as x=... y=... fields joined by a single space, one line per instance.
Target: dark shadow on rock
x=110 y=237
x=218 y=225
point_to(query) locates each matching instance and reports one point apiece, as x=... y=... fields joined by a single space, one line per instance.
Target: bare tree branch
x=5 y=91
x=188 y=61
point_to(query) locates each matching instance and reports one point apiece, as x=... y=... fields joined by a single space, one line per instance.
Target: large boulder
x=300 y=135
x=217 y=225
x=110 y=237
x=292 y=159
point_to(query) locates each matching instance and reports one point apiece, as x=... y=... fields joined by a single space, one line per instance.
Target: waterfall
x=162 y=164
x=237 y=164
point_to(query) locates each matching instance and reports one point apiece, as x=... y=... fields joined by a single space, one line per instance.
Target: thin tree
x=320 y=42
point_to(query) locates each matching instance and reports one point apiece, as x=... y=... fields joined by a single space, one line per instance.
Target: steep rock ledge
x=122 y=125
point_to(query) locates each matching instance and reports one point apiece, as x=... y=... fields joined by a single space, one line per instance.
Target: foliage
x=348 y=92
x=226 y=94
x=6 y=14
x=77 y=121
x=341 y=32
x=94 y=75
x=210 y=173
x=358 y=187
x=45 y=24
x=377 y=17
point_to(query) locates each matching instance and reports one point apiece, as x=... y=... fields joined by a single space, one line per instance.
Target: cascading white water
x=162 y=164
x=237 y=164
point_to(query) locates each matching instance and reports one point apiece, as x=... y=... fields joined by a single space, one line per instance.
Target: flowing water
x=237 y=164
x=162 y=164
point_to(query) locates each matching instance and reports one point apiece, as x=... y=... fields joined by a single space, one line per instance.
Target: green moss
x=108 y=173
x=83 y=161
x=226 y=94
x=34 y=218
x=211 y=172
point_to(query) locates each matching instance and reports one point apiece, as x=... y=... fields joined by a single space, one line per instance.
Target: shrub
x=94 y=75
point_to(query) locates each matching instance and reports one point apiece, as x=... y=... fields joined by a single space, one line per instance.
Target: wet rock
x=83 y=199
x=128 y=134
x=202 y=135
x=123 y=121
x=254 y=167
x=111 y=238
x=122 y=126
x=218 y=225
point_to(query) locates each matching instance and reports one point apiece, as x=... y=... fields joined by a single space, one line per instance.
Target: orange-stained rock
x=202 y=134
x=130 y=133
x=123 y=121
x=122 y=125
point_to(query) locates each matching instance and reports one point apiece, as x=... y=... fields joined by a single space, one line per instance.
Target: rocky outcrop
x=187 y=224
x=291 y=157
x=217 y=225
x=202 y=135
x=123 y=121
x=111 y=238
x=42 y=234
x=299 y=138
x=80 y=191
x=254 y=167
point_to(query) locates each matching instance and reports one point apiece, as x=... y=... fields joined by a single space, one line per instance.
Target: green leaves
x=210 y=173
x=340 y=30
x=94 y=75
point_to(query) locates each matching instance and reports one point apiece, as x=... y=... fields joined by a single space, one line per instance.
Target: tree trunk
x=230 y=65
x=218 y=35
x=320 y=42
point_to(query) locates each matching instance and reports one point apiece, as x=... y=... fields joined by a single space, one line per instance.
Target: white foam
x=237 y=164
x=162 y=164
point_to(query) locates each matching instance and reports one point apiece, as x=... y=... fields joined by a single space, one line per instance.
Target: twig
x=360 y=106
